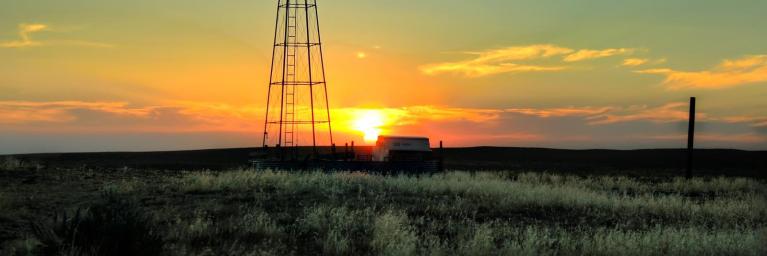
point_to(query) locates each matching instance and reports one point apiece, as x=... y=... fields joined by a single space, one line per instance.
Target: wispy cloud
x=560 y=112
x=517 y=59
x=587 y=54
x=670 y=112
x=25 y=40
x=729 y=73
x=29 y=112
x=19 y=112
x=747 y=138
x=467 y=126
x=633 y=62
x=500 y=61
x=25 y=36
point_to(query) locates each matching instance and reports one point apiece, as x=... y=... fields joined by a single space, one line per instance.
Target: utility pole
x=690 y=138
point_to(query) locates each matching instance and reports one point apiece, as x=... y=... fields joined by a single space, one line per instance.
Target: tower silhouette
x=297 y=112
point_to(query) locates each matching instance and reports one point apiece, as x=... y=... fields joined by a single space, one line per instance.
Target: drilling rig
x=297 y=111
x=297 y=117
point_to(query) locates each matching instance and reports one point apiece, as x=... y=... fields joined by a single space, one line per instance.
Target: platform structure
x=350 y=159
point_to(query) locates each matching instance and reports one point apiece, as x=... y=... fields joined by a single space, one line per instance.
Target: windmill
x=297 y=112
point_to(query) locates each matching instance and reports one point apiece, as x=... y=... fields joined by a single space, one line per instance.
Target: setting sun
x=369 y=122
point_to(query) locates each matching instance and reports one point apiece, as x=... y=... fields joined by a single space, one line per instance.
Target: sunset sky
x=84 y=75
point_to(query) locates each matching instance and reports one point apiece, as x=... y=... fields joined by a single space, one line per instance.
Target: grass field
x=242 y=212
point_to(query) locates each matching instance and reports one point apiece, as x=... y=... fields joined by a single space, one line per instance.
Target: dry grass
x=247 y=212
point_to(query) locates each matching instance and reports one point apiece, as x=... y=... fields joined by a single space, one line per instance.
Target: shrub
x=10 y=163
x=336 y=229
x=393 y=236
x=111 y=227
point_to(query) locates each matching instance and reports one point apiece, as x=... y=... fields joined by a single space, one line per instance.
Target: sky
x=83 y=75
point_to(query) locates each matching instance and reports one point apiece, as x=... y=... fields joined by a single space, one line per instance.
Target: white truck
x=401 y=148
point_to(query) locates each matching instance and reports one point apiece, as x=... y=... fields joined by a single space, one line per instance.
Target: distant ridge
x=729 y=162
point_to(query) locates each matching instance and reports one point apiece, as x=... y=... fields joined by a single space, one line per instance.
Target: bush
x=393 y=236
x=10 y=164
x=112 y=227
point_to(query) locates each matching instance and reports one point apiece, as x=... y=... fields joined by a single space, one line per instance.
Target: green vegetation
x=10 y=164
x=485 y=213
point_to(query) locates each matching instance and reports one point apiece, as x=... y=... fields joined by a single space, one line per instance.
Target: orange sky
x=145 y=75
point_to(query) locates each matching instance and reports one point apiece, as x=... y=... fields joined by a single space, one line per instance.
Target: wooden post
x=690 y=138
x=441 y=158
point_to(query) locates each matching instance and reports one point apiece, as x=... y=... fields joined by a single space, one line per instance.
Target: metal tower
x=297 y=111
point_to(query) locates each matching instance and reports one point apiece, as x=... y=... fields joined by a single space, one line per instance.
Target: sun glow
x=369 y=122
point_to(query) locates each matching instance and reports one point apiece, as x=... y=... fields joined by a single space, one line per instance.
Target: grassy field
x=243 y=212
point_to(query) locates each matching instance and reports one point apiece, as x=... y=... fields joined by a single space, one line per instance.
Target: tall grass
x=455 y=213
x=657 y=241
x=502 y=213
x=718 y=186
x=4 y=202
x=738 y=202
x=393 y=235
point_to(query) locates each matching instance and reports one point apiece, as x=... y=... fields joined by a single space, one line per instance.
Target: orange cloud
x=499 y=61
x=587 y=54
x=633 y=62
x=25 y=38
x=749 y=138
x=392 y=118
x=729 y=73
x=179 y=117
x=508 y=60
x=25 y=31
x=560 y=112
x=18 y=112
x=199 y=116
x=670 y=112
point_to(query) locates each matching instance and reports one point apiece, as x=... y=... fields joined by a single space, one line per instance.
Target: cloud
x=25 y=38
x=498 y=61
x=745 y=138
x=560 y=112
x=211 y=115
x=412 y=115
x=587 y=54
x=19 y=112
x=515 y=59
x=729 y=73
x=633 y=62
x=670 y=112
x=575 y=126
